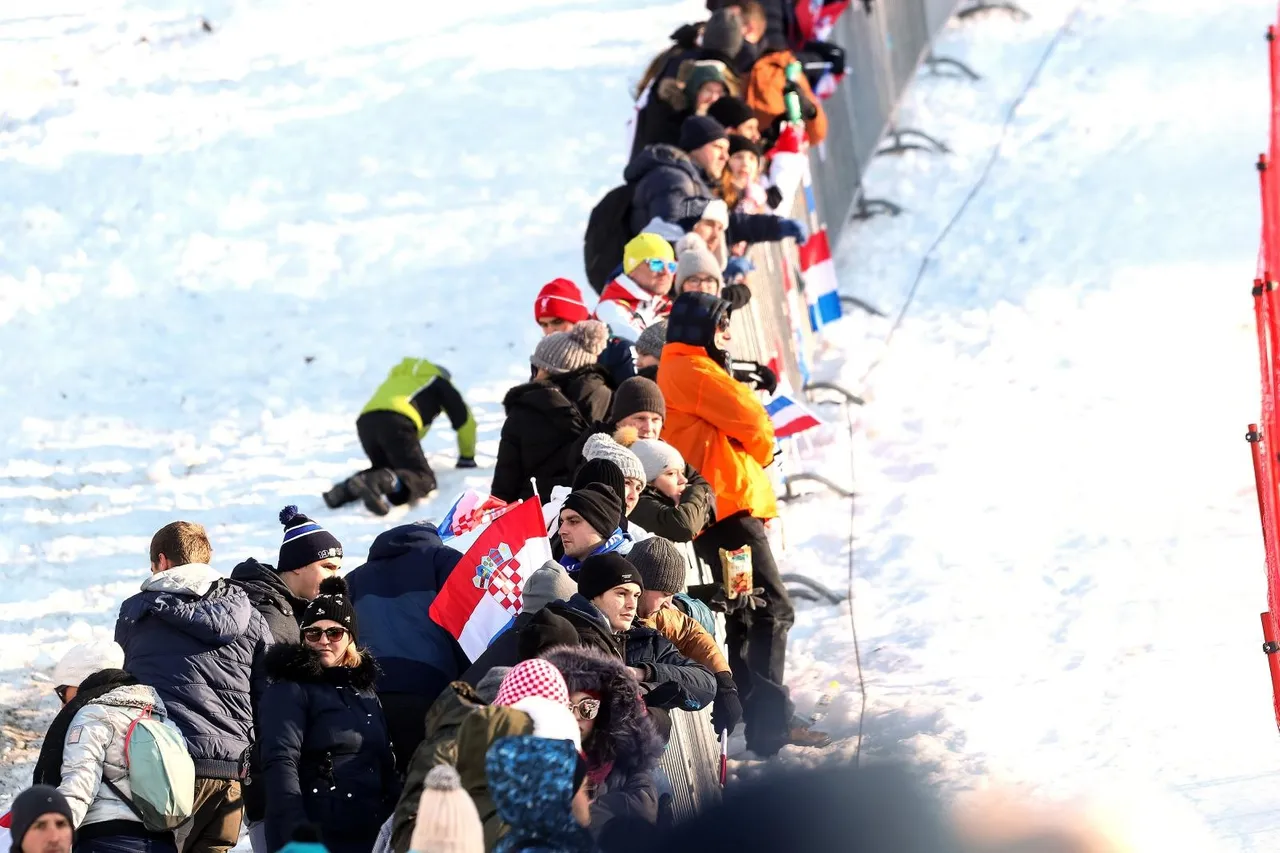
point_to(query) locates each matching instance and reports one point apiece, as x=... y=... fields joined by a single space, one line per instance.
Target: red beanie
x=560 y=298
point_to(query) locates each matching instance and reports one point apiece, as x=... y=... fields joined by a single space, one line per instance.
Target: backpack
x=608 y=230
x=162 y=776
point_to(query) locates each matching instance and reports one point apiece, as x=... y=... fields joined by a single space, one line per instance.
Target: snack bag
x=737 y=571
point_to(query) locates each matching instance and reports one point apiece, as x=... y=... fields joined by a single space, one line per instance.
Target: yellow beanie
x=645 y=247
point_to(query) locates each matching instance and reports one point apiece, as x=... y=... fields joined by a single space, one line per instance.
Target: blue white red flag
x=789 y=417
x=485 y=591
x=821 y=290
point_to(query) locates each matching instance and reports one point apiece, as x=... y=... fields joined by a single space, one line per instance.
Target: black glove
x=665 y=695
x=726 y=712
x=808 y=109
x=466 y=462
x=759 y=376
x=737 y=295
x=773 y=197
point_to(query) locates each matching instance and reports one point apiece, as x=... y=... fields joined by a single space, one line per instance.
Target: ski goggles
x=585 y=709
x=313 y=635
x=658 y=266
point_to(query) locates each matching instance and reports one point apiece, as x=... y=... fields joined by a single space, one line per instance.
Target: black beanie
x=333 y=603
x=599 y=505
x=602 y=471
x=602 y=572
x=30 y=805
x=305 y=542
x=741 y=143
x=731 y=112
x=637 y=394
x=698 y=131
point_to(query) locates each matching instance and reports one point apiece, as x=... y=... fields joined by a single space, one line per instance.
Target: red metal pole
x=1273 y=659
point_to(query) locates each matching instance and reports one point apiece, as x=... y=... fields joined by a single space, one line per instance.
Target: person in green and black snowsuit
x=391 y=427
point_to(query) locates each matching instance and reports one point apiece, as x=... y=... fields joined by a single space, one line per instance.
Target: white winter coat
x=94 y=748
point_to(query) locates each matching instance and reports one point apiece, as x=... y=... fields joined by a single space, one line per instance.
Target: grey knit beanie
x=562 y=352
x=723 y=32
x=697 y=259
x=549 y=582
x=652 y=339
x=602 y=446
x=660 y=564
x=656 y=456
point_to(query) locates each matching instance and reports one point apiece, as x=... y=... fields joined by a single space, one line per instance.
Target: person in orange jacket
x=766 y=94
x=721 y=428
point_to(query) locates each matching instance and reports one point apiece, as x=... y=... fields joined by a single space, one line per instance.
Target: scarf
x=608 y=546
x=49 y=765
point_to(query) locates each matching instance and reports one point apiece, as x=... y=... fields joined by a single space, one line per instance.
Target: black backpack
x=608 y=231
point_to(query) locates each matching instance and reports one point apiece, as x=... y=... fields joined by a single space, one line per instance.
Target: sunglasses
x=660 y=266
x=61 y=692
x=313 y=635
x=585 y=709
x=723 y=323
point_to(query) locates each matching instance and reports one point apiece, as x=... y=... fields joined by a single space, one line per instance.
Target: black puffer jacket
x=326 y=755
x=661 y=516
x=624 y=747
x=543 y=419
x=270 y=597
x=670 y=186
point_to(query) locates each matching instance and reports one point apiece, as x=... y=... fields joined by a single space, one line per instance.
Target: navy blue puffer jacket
x=326 y=754
x=198 y=641
x=392 y=594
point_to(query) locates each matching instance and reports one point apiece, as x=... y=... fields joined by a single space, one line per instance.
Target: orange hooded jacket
x=764 y=93
x=720 y=428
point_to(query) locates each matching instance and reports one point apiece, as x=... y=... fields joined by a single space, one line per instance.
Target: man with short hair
x=198 y=641
x=638 y=297
x=40 y=821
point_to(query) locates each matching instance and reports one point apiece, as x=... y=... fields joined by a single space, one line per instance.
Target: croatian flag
x=789 y=417
x=821 y=291
x=484 y=592
x=469 y=514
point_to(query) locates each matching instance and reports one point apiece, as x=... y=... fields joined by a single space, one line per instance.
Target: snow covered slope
x=213 y=245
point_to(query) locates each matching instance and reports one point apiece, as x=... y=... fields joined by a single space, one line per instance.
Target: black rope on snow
x=982 y=180
x=902 y=314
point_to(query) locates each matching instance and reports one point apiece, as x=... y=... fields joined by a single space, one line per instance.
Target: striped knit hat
x=305 y=542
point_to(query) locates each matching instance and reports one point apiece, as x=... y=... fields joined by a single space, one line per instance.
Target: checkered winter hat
x=333 y=603
x=534 y=677
x=305 y=542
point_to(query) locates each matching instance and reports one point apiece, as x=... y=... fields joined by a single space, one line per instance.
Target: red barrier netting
x=1266 y=308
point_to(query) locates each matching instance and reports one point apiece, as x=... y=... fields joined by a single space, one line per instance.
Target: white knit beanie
x=448 y=821
x=84 y=660
x=602 y=446
x=656 y=456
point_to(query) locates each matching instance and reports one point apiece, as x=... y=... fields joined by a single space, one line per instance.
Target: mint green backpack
x=162 y=777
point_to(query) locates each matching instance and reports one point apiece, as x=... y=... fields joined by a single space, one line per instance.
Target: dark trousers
x=390 y=440
x=757 y=638
x=406 y=715
x=141 y=843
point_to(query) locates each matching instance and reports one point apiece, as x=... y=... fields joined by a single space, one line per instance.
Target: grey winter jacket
x=94 y=749
x=198 y=641
x=270 y=597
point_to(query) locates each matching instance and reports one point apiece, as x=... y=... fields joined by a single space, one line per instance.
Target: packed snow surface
x=214 y=244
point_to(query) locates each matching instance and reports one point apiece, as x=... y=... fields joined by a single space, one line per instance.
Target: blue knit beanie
x=305 y=542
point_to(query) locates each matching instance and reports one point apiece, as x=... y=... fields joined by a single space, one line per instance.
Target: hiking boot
x=802 y=735
x=339 y=495
x=372 y=487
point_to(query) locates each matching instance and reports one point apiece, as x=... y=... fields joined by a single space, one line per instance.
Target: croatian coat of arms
x=499 y=573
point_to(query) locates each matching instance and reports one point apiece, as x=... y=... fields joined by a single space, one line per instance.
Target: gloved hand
x=736 y=270
x=737 y=295
x=753 y=600
x=793 y=228
x=466 y=462
x=726 y=711
x=808 y=109
x=760 y=376
x=773 y=197
x=664 y=695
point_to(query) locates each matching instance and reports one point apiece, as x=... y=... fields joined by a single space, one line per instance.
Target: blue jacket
x=198 y=641
x=531 y=783
x=392 y=594
x=326 y=753
x=670 y=186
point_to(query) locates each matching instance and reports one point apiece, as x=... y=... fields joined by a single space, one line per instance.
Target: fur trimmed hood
x=300 y=663
x=632 y=743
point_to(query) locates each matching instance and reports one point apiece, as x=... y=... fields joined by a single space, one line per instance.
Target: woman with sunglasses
x=619 y=738
x=326 y=755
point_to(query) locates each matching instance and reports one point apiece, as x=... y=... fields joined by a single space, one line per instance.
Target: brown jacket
x=689 y=638
x=764 y=93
